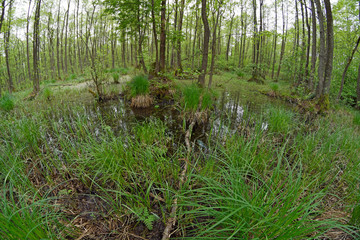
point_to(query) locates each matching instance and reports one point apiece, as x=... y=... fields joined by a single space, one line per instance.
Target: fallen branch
x=172 y=220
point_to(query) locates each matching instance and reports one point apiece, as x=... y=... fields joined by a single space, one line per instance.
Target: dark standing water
x=229 y=112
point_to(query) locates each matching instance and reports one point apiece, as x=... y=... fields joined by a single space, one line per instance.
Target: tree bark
x=36 y=82
x=313 y=46
x=358 y=88
x=179 y=64
x=322 y=53
x=275 y=42
x=155 y=36
x=6 y=42
x=229 y=37
x=346 y=68
x=204 y=64
x=163 y=36
x=213 y=46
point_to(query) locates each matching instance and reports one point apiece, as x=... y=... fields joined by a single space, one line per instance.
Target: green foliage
x=356 y=119
x=72 y=76
x=48 y=93
x=143 y=215
x=274 y=87
x=139 y=85
x=115 y=77
x=280 y=120
x=7 y=102
x=239 y=73
x=191 y=97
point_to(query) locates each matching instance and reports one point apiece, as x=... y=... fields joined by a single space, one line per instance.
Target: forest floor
x=258 y=168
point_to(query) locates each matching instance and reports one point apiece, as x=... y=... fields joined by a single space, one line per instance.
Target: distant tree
x=36 y=48
x=205 y=54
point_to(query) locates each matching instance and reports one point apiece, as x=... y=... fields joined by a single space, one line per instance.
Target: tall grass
x=7 y=102
x=139 y=85
x=191 y=97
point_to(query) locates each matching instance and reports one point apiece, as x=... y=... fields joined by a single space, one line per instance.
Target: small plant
x=239 y=73
x=139 y=85
x=274 y=87
x=356 y=120
x=143 y=215
x=48 y=93
x=72 y=76
x=123 y=71
x=7 y=102
x=115 y=77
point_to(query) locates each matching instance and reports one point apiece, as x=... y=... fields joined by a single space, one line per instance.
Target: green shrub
x=356 y=120
x=239 y=73
x=48 y=93
x=123 y=71
x=115 y=77
x=7 y=102
x=192 y=95
x=139 y=85
x=274 y=87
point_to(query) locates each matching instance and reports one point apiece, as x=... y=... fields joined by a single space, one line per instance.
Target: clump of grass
x=280 y=120
x=239 y=73
x=356 y=119
x=274 y=87
x=191 y=97
x=48 y=93
x=115 y=77
x=7 y=102
x=139 y=85
x=141 y=101
x=72 y=76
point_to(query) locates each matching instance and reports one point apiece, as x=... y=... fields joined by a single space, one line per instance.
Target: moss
x=323 y=103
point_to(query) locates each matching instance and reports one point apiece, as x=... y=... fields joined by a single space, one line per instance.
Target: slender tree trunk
x=275 y=42
x=313 y=46
x=179 y=64
x=329 y=48
x=155 y=36
x=283 y=41
x=229 y=37
x=6 y=42
x=27 y=42
x=194 y=42
x=322 y=54
x=204 y=64
x=346 y=68
x=36 y=38
x=58 y=41
x=358 y=86
x=213 y=46
x=66 y=38
x=163 y=36
x=3 y=6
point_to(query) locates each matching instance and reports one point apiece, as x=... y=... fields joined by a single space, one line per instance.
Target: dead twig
x=172 y=220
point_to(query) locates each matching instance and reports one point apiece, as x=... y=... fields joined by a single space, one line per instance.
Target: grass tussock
x=7 y=102
x=141 y=101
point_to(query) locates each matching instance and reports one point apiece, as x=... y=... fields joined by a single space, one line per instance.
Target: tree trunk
x=346 y=68
x=275 y=42
x=313 y=46
x=6 y=42
x=204 y=64
x=358 y=88
x=179 y=64
x=66 y=32
x=229 y=37
x=36 y=82
x=322 y=53
x=329 y=47
x=3 y=6
x=155 y=37
x=283 y=41
x=213 y=46
x=163 y=36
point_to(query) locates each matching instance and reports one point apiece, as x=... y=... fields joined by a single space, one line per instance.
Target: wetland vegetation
x=107 y=132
